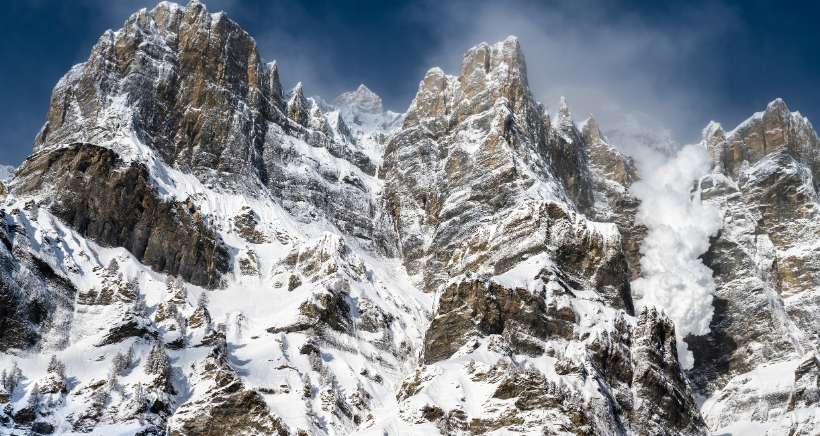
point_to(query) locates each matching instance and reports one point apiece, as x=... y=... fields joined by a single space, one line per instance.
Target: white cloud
x=673 y=277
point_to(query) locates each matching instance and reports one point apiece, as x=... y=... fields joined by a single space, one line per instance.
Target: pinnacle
x=197 y=6
x=777 y=105
x=564 y=115
x=712 y=129
x=435 y=71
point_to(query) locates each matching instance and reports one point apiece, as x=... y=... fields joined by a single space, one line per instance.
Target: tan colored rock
x=478 y=308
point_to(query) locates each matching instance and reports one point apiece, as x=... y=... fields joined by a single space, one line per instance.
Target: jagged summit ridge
x=772 y=130
x=183 y=91
x=190 y=87
x=204 y=253
x=301 y=264
x=488 y=73
x=146 y=78
x=484 y=118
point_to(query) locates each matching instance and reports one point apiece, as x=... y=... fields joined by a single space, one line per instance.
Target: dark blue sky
x=673 y=65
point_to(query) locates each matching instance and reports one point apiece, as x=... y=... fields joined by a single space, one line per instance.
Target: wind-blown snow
x=5 y=172
x=673 y=277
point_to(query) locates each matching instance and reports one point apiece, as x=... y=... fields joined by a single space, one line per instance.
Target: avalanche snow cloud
x=679 y=227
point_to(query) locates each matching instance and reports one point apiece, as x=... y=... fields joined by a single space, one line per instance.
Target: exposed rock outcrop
x=115 y=204
x=664 y=404
x=473 y=174
x=474 y=309
x=222 y=404
x=187 y=87
x=188 y=82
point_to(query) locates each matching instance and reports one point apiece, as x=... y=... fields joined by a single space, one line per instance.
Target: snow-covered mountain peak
x=491 y=76
x=591 y=130
x=777 y=113
x=770 y=132
x=360 y=101
x=360 y=116
x=713 y=128
x=765 y=182
x=506 y=53
x=297 y=90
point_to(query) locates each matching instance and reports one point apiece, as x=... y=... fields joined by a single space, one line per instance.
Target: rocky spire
x=177 y=78
x=500 y=69
x=564 y=115
x=341 y=126
x=508 y=141
x=317 y=120
x=274 y=85
x=777 y=107
x=491 y=74
x=485 y=59
x=714 y=138
x=431 y=98
x=568 y=157
x=298 y=109
x=591 y=131
x=603 y=158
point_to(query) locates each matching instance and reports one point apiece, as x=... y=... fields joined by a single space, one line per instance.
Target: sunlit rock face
x=474 y=170
x=765 y=263
x=186 y=87
x=494 y=203
x=188 y=82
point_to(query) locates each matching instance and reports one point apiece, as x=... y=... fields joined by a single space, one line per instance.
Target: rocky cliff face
x=472 y=175
x=494 y=204
x=764 y=330
x=205 y=253
x=113 y=203
x=189 y=83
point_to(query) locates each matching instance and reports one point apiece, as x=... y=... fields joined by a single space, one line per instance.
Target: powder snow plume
x=679 y=226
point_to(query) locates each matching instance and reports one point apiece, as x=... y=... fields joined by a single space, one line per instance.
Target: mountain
x=760 y=357
x=192 y=250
